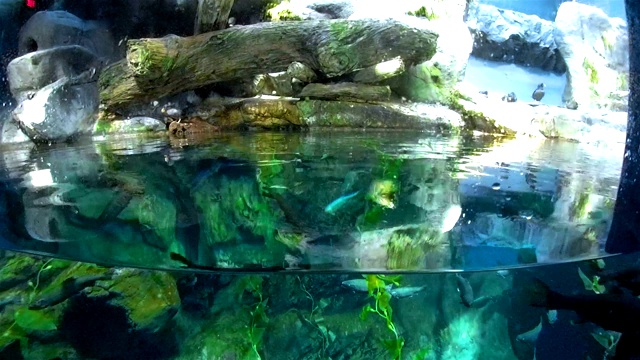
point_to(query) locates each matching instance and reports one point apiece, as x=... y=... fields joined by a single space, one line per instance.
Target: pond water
x=321 y=201
x=288 y=205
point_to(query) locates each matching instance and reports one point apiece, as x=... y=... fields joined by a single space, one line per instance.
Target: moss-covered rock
x=150 y=299
x=319 y=113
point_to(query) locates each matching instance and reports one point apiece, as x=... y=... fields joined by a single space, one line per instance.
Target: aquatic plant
x=423 y=12
x=377 y=288
x=325 y=335
x=258 y=320
x=591 y=284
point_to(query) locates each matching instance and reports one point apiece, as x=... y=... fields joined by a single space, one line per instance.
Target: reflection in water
x=363 y=202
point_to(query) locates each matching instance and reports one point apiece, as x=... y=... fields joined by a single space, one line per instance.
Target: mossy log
x=346 y=92
x=172 y=64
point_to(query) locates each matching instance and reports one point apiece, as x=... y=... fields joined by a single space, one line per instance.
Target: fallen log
x=157 y=67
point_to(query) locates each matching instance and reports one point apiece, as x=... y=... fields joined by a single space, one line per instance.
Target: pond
x=364 y=201
x=299 y=222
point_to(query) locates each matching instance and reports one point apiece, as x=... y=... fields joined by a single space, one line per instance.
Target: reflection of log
x=212 y=15
x=169 y=65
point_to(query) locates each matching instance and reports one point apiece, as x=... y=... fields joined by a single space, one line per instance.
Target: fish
x=69 y=287
x=338 y=203
x=406 y=291
x=503 y=273
x=360 y=285
x=552 y=316
x=465 y=290
x=530 y=336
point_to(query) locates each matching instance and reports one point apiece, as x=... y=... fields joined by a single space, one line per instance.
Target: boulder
x=133 y=125
x=596 y=50
x=491 y=115
x=10 y=132
x=33 y=71
x=433 y=80
x=346 y=92
x=49 y=29
x=319 y=113
x=61 y=110
x=513 y=37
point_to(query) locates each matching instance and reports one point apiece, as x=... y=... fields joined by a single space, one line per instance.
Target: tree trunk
x=212 y=15
x=170 y=65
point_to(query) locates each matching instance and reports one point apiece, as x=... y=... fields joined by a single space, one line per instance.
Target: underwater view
x=319 y=179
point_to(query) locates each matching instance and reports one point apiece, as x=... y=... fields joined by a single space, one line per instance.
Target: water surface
x=361 y=201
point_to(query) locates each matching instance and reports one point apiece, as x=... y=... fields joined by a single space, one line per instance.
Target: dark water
x=266 y=203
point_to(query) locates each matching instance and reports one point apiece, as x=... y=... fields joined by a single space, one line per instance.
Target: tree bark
x=158 y=67
x=212 y=15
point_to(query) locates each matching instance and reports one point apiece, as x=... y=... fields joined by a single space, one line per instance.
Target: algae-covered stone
x=150 y=299
x=319 y=113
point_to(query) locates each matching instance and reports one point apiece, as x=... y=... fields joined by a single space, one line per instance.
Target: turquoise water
x=247 y=222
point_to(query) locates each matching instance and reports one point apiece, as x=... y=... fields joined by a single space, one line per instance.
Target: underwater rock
x=320 y=113
x=50 y=29
x=150 y=299
x=61 y=110
x=513 y=37
x=596 y=50
x=551 y=240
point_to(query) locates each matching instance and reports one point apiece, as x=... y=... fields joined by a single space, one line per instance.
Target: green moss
x=591 y=71
x=233 y=207
x=159 y=214
x=423 y=12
